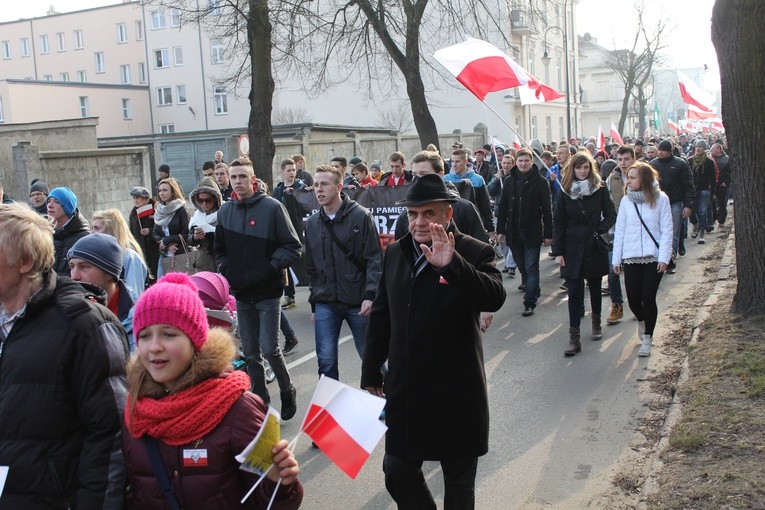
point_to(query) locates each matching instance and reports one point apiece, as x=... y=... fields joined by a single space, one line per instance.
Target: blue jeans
x=701 y=212
x=614 y=283
x=328 y=319
x=677 y=223
x=575 y=288
x=527 y=260
x=286 y=327
x=259 y=332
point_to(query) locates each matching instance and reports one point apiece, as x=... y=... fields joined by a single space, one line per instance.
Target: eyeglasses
x=36 y=194
x=205 y=200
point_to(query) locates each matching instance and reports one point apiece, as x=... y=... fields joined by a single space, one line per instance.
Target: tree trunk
x=423 y=120
x=737 y=28
x=642 y=103
x=625 y=110
x=262 y=147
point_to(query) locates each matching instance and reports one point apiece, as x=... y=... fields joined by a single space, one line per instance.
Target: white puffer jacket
x=630 y=238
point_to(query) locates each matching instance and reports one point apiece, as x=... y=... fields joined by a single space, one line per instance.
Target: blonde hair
x=174 y=187
x=647 y=175
x=116 y=226
x=26 y=236
x=576 y=160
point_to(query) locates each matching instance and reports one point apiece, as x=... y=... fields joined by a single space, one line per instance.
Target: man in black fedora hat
x=425 y=323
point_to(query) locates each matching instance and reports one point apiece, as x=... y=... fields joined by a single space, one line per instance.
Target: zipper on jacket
x=57 y=481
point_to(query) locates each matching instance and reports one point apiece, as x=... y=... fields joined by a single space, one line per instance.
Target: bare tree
x=384 y=45
x=290 y=115
x=635 y=65
x=737 y=28
x=396 y=117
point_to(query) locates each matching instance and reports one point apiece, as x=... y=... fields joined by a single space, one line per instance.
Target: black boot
x=574 y=345
x=289 y=403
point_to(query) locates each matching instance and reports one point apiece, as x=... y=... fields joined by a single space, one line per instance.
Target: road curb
x=675 y=412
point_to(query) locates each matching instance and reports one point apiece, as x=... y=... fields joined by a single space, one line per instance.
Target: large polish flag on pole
x=698 y=114
x=344 y=423
x=481 y=67
x=692 y=93
x=535 y=92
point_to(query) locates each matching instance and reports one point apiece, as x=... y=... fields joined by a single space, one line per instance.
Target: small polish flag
x=615 y=136
x=692 y=93
x=481 y=67
x=601 y=139
x=145 y=211
x=674 y=126
x=343 y=422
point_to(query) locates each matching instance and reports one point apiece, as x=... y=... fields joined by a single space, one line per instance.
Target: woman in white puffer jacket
x=644 y=251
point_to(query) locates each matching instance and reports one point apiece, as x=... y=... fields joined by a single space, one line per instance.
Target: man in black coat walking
x=435 y=360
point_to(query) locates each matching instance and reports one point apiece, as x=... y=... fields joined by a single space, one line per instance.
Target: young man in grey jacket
x=343 y=260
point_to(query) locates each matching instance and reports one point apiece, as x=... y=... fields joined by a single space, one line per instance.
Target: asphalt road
x=558 y=425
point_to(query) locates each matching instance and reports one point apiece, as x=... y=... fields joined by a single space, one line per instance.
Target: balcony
x=520 y=22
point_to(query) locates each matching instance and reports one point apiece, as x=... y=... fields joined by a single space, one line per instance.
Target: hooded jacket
x=254 y=243
x=332 y=276
x=535 y=209
x=220 y=484
x=64 y=238
x=202 y=219
x=62 y=392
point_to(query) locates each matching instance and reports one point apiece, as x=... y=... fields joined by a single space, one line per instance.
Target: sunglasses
x=205 y=200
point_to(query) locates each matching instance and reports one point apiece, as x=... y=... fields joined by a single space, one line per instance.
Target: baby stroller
x=220 y=308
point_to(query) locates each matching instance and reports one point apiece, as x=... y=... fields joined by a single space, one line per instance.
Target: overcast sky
x=689 y=42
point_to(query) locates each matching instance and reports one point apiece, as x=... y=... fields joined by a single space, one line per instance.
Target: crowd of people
x=103 y=335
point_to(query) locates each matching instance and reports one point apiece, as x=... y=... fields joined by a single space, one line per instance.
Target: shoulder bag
x=159 y=471
x=343 y=248
x=190 y=262
x=637 y=210
x=603 y=242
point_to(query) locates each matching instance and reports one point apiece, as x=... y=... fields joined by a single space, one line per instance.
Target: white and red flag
x=696 y=113
x=615 y=136
x=344 y=423
x=481 y=67
x=517 y=143
x=145 y=211
x=535 y=92
x=601 y=139
x=692 y=93
x=673 y=126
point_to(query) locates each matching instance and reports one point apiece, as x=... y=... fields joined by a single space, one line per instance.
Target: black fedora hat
x=426 y=189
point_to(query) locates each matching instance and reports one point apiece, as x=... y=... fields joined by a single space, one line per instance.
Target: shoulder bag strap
x=159 y=471
x=343 y=248
x=644 y=225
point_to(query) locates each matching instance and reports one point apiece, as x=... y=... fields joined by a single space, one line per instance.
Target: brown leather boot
x=597 y=331
x=574 y=345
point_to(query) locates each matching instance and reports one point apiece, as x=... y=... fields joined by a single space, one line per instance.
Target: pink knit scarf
x=188 y=415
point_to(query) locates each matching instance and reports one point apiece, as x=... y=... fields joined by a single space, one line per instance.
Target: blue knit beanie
x=66 y=198
x=102 y=251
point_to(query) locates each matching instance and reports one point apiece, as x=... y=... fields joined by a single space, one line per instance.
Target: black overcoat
x=573 y=224
x=427 y=328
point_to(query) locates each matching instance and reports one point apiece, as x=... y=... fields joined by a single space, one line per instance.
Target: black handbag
x=604 y=243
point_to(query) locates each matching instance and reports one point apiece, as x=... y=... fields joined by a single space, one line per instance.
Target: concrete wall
x=101 y=178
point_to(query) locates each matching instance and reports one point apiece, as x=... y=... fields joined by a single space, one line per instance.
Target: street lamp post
x=546 y=62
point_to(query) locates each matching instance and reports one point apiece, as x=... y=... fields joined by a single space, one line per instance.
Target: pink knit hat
x=172 y=300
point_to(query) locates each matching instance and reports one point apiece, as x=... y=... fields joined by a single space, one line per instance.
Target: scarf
x=581 y=189
x=638 y=197
x=699 y=159
x=163 y=213
x=188 y=415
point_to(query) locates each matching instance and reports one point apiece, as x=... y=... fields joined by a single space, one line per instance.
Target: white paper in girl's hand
x=3 y=476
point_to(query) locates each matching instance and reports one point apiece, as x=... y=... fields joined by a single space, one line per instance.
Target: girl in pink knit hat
x=191 y=412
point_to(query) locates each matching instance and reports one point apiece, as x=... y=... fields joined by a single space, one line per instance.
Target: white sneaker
x=645 y=348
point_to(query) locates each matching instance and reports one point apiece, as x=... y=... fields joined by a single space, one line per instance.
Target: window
x=100 y=67
x=559 y=63
x=79 y=42
x=125 y=74
x=548 y=128
x=121 y=33
x=139 y=30
x=214 y=8
x=61 y=40
x=81 y=77
x=178 y=55
x=6 y=49
x=64 y=77
x=44 y=44
x=534 y=126
x=141 y=72
x=164 y=96
x=175 y=17
x=166 y=128
x=158 y=20
x=180 y=92
x=127 y=111
x=532 y=58
x=161 y=58
x=48 y=77
x=218 y=52
x=24 y=43
x=84 y=106
x=560 y=128
x=221 y=101
x=2 y=115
